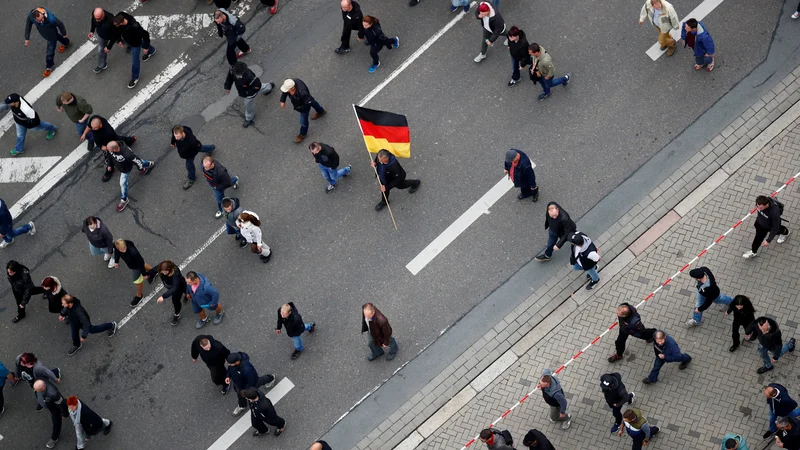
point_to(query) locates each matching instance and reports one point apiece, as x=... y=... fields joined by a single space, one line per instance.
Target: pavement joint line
x=699 y=13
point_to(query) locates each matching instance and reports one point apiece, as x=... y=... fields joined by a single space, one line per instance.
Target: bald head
x=317 y=445
x=347 y=5
x=113 y=146
x=98 y=14
x=39 y=386
x=96 y=124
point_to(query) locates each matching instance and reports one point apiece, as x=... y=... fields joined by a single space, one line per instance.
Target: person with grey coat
x=101 y=241
x=553 y=395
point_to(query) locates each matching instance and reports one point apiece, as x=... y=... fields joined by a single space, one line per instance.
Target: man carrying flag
x=391 y=175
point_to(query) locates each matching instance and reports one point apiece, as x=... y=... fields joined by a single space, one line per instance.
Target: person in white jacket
x=249 y=223
x=661 y=15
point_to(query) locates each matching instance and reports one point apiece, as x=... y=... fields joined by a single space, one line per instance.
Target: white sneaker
x=796 y=15
x=480 y=57
x=693 y=323
x=748 y=255
x=781 y=237
x=505 y=42
x=238 y=410
x=110 y=263
x=565 y=425
x=107 y=256
x=633 y=398
x=33 y=229
x=4 y=244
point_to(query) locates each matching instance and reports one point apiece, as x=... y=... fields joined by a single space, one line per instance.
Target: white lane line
x=413 y=57
x=243 y=424
x=702 y=10
x=54 y=176
x=25 y=170
x=175 y=26
x=478 y=209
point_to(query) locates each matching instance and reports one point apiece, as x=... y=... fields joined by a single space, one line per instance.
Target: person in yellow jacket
x=663 y=17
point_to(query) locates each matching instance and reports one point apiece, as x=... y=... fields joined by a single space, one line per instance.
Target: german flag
x=384 y=130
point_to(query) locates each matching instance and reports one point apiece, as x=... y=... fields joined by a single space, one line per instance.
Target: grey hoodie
x=40 y=372
x=554 y=391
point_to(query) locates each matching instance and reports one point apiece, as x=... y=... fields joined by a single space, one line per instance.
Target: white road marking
x=54 y=176
x=475 y=211
x=243 y=424
x=175 y=26
x=702 y=10
x=25 y=170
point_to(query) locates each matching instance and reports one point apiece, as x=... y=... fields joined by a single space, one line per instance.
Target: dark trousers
x=230 y=52
x=76 y=326
x=261 y=381
x=262 y=425
x=57 y=412
x=218 y=374
x=735 y=332
x=405 y=184
x=36 y=290
x=617 y=410
x=515 y=75
x=374 y=48
x=761 y=234
x=50 y=53
x=2 y=400
x=347 y=29
x=269 y=3
x=647 y=335
x=377 y=350
x=638 y=438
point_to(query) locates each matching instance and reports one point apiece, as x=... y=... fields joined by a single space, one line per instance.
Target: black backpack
x=506 y=435
x=780 y=206
x=239 y=28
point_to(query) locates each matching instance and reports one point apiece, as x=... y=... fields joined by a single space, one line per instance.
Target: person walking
x=52 y=30
x=87 y=422
x=637 y=428
x=53 y=292
x=536 y=440
x=217 y=176
x=248 y=86
x=107 y=33
x=667 y=351
x=271 y=4
x=214 y=354
x=7 y=230
x=380 y=332
x=232 y=29
x=103 y=133
x=30 y=369
x=559 y=226
x=544 y=71
x=733 y=441
x=328 y=162
x=243 y=375
x=630 y=324
x=518 y=48
x=248 y=224
x=101 y=241
x=25 y=119
x=5 y=374
x=455 y=5
x=351 y=20
x=377 y=40
x=289 y=318
x=175 y=285
x=320 y=445
x=391 y=175
x=584 y=256
x=780 y=403
x=662 y=15
x=232 y=209
x=188 y=147
x=769 y=340
x=553 y=395
x=124 y=160
x=496 y=439
x=616 y=396
x=743 y=315
x=204 y=296
x=519 y=168
x=708 y=293
x=262 y=413
x=138 y=40
x=80 y=323
x=127 y=251
x=768 y=224
x=50 y=397
x=302 y=101
x=789 y=436
x=79 y=111
x=695 y=34
x=493 y=27
x=19 y=277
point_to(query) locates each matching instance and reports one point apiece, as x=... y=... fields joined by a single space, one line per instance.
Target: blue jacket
x=244 y=375
x=782 y=405
x=703 y=43
x=671 y=351
x=736 y=437
x=3 y=375
x=50 y=28
x=6 y=221
x=206 y=295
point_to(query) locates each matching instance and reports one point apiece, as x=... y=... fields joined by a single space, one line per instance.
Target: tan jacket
x=544 y=63
x=667 y=20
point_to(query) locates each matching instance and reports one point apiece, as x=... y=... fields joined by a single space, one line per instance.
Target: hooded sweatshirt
x=243 y=375
x=101 y=237
x=613 y=389
x=561 y=226
x=586 y=255
x=542 y=443
x=230 y=217
x=249 y=231
x=498 y=441
x=554 y=394
x=50 y=28
x=769 y=219
x=392 y=173
x=24 y=114
x=228 y=27
x=493 y=23
x=519 y=49
x=37 y=372
x=205 y=295
x=741 y=443
x=708 y=289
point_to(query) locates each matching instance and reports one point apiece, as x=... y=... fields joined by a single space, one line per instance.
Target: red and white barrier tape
x=595 y=340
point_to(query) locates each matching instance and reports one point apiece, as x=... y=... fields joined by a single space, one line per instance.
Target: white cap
x=287 y=85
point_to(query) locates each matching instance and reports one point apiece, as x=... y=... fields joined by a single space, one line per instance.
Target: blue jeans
x=552 y=238
x=80 y=128
x=123 y=180
x=703 y=60
x=137 y=60
x=93 y=329
x=765 y=353
x=304 y=116
x=219 y=195
x=8 y=237
x=721 y=300
x=772 y=418
x=377 y=350
x=190 y=170
x=95 y=251
x=458 y=3
x=298 y=341
x=51 y=51
x=592 y=272
x=231 y=230
x=22 y=132
x=547 y=84
x=658 y=363
x=331 y=175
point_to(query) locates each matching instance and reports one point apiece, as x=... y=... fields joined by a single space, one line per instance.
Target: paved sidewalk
x=720 y=391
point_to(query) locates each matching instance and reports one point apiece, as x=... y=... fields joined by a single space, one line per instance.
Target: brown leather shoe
x=671 y=51
x=317 y=115
x=299 y=138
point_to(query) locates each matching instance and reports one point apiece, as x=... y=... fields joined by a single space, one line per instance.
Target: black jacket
x=496 y=23
x=124 y=159
x=244 y=375
x=375 y=36
x=91 y=422
x=23 y=119
x=105 y=134
x=542 y=443
x=772 y=340
x=613 y=389
x=21 y=285
x=263 y=410
x=189 y=146
x=519 y=50
x=710 y=292
x=741 y=316
x=394 y=173
x=54 y=297
x=215 y=356
x=78 y=315
x=769 y=219
x=294 y=323
x=583 y=256
x=218 y=177
x=247 y=85
x=302 y=99
x=562 y=225
x=327 y=156
x=353 y=18
x=133 y=33
x=782 y=404
x=228 y=28
x=133 y=259
x=105 y=28
x=632 y=324
x=101 y=237
x=175 y=284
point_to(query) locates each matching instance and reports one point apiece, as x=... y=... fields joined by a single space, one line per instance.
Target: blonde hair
x=286 y=308
x=120 y=244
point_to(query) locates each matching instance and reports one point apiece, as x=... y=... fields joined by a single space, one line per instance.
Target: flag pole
x=375 y=169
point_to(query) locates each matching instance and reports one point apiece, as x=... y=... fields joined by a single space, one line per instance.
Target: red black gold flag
x=384 y=130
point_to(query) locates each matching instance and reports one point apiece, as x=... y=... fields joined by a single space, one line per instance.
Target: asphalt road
x=334 y=252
